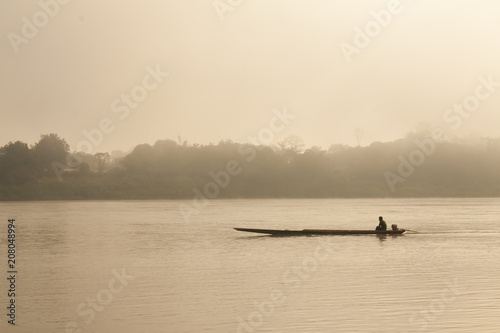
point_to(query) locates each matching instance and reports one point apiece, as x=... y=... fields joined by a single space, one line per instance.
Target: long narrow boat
x=307 y=232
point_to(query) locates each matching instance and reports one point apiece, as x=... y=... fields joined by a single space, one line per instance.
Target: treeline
x=415 y=166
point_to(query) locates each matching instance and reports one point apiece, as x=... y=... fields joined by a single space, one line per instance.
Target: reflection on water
x=204 y=276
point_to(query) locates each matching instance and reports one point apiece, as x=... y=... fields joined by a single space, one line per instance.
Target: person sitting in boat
x=381 y=224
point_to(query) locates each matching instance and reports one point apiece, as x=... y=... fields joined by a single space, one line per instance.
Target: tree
x=337 y=148
x=84 y=168
x=17 y=164
x=140 y=160
x=358 y=135
x=51 y=148
x=102 y=158
x=292 y=144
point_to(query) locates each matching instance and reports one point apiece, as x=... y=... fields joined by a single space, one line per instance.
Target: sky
x=108 y=75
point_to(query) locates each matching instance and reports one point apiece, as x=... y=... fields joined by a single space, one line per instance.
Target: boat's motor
x=394 y=227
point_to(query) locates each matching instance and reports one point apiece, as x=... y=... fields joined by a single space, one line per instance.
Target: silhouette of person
x=381 y=224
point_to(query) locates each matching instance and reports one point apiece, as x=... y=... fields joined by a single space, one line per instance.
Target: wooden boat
x=308 y=232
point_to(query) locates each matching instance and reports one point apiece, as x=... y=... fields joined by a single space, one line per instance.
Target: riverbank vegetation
x=414 y=166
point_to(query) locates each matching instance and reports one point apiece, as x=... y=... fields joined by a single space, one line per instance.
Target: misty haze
x=250 y=166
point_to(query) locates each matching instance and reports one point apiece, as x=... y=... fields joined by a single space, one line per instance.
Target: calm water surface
x=138 y=266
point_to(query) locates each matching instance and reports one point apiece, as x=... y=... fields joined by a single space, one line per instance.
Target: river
x=144 y=266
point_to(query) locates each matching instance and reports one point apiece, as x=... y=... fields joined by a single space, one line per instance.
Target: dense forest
x=414 y=166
